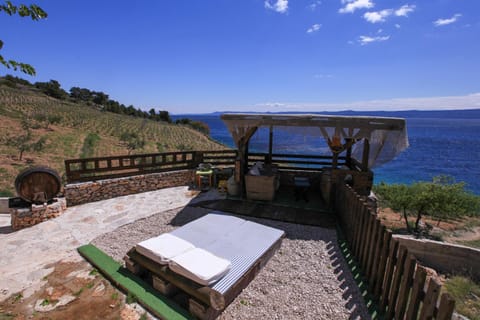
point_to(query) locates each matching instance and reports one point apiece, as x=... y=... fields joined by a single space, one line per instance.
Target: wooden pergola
x=341 y=133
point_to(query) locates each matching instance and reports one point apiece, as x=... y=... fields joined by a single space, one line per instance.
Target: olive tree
x=25 y=142
x=33 y=11
x=441 y=199
x=132 y=141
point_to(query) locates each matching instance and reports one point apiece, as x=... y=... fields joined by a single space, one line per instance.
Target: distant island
x=455 y=114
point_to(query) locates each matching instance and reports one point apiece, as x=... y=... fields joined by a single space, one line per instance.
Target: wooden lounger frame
x=204 y=302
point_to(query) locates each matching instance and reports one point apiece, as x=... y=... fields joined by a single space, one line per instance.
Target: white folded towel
x=163 y=248
x=200 y=266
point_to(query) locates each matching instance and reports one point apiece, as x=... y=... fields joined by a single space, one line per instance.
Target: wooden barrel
x=38 y=184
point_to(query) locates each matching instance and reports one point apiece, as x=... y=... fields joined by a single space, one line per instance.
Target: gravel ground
x=307 y=278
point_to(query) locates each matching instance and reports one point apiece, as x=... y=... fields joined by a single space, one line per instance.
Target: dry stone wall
x=26 y=217
x=78 y=193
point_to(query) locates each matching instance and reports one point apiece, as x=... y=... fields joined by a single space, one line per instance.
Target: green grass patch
x=358 y=276
x=7 y=316
x=17 y=297
x=6 y=193
x=131 y=298
x=471 y=243
x=466 y=294
x=47 y=302
x=133 y=285
x=89 y=144
x=93 y=272
x=78 y=293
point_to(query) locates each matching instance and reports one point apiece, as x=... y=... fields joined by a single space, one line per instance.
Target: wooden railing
x=395 y=279
x=218 y=158
x=90 y=169
x=296 y=161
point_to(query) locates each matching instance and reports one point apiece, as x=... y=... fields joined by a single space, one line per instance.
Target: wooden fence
x=90 y=169
x=396 y=281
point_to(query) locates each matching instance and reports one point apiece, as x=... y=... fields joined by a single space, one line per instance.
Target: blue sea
x=441 y=143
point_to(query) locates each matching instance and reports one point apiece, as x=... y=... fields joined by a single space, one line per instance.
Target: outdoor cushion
x=163 y=248
x=200 y=266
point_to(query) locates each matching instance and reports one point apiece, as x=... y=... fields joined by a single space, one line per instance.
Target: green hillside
x=77 y=130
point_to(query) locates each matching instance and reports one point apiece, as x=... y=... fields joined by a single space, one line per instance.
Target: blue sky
x=302 y=55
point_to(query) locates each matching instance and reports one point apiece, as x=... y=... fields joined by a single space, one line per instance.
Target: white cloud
x=377 y=16
x=382 y=15
x=281 y=6
x=444 y=22
x=314 y=5
x=470 y=101
x=397 y=26
x=352 y=5
x=322 y=76
x=404 y=10
x=364 y=40
x=314 y=28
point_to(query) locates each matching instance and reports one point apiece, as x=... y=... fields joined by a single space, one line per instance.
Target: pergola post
x=335 y=160
x=270 y=145
x=243 y=157
x=349 y=152
x=366 y=154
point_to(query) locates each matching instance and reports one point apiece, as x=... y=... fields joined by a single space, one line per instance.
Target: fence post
x=417 y=292
x=405 y=286
x=387 y=281
x=397 y=277
x=377 y=257
x=430 y=300
x=446 y=308
x=382 y=264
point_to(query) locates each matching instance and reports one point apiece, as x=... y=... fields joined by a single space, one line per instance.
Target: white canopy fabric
x=387 y=137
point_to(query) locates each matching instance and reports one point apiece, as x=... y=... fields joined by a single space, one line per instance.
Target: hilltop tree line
x=102 y=101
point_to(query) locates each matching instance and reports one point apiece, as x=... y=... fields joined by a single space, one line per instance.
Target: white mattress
x=163 y=248
x=240 y=241
x=215 y=250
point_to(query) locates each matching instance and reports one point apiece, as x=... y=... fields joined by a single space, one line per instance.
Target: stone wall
x=78 y=193
x=444 y=257
x=26 y=217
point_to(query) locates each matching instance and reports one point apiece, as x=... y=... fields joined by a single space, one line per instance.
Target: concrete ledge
x=444 y=257
x=79 y=193
x=4 y=209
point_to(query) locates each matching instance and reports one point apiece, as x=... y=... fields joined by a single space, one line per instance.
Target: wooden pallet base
x=201 y=311
x=201 y=301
